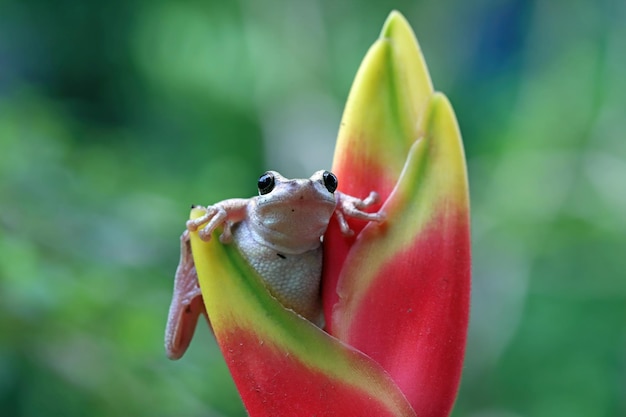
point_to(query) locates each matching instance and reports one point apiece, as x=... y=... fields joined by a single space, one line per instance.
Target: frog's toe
x=205 y=234
x=372 y=198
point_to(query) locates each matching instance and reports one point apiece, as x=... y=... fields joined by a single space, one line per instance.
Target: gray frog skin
x=279 y=232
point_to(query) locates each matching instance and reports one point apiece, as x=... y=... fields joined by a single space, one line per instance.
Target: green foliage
x=115 y=116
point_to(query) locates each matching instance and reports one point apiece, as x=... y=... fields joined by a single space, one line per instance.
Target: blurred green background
x=116 y=116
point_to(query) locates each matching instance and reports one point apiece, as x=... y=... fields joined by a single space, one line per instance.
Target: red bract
x=396 y=296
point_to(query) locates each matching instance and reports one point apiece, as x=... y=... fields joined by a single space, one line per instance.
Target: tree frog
x=279 y=232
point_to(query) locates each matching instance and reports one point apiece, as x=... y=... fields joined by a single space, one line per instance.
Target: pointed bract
x=399 y=292
x=404 y=287
x=382 y=119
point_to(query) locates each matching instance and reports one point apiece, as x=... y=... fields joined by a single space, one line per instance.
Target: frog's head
x=294 y=210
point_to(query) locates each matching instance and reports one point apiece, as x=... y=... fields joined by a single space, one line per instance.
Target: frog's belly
x=293 y=279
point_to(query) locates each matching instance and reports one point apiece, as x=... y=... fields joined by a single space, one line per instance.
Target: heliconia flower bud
x=395 y=295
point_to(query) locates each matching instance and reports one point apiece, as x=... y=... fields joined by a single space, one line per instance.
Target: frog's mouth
x=294 y=219
x=302 y=215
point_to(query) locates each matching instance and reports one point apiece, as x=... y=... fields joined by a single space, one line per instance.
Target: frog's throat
x=281 y=242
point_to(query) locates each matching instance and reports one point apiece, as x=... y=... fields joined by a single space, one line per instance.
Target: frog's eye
x=330 y=181
x=266 y=183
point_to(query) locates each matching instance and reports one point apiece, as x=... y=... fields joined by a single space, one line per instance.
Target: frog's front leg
x=348 y=205
x=225 y=213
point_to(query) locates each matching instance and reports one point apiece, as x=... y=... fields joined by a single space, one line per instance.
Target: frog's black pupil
x=330 y=181
x=266 y=183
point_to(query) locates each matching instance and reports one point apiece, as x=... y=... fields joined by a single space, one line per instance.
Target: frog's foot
x=352 y=207
x=214 y=216
x=227 y=234
x=187 y=304
x=186 y=281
